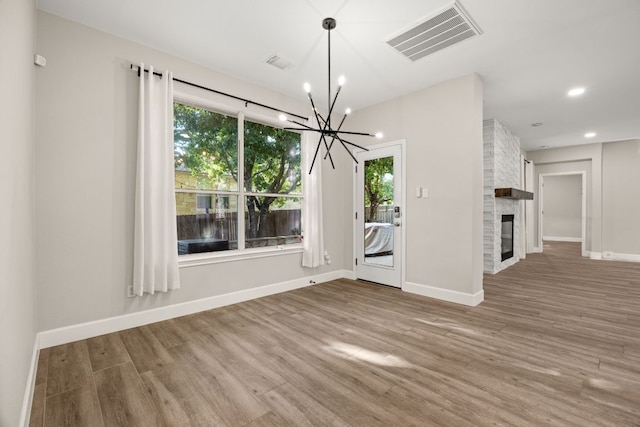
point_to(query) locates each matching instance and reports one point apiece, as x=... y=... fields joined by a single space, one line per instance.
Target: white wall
x=442 y=126
x=621 y=197
x=17 y=258
x=562 y=207
x=85 y=163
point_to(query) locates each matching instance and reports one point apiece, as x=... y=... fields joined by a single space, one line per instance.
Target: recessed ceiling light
x=576 y=91
x=536 y=124
x=589 y=134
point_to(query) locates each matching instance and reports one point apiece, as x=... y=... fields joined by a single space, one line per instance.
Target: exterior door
x=379 y=215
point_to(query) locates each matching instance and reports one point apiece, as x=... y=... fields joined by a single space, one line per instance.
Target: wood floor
x=556 y=342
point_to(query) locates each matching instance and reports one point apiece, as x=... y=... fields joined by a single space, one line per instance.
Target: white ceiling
x=530 y=54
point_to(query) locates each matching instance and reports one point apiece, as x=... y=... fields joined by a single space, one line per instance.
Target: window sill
x=236 y=255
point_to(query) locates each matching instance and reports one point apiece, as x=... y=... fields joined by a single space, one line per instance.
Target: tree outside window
x=207 y=149
x=378 y=187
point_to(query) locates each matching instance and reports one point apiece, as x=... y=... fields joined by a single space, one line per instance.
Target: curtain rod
x=246 y=101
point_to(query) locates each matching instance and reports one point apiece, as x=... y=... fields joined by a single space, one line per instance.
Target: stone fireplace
x=501 y=170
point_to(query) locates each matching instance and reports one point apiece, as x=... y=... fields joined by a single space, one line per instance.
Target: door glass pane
x=378 y=212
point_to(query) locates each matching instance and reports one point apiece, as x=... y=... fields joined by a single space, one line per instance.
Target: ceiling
x=530 y=53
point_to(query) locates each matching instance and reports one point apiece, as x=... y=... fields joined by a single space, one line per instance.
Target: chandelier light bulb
x=282 y=118
x=341 y=80
x=379 y=135
x=347 y=111
x=307 y=87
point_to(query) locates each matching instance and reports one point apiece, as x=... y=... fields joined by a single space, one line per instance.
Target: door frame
x=401 y=144
x=583 y=237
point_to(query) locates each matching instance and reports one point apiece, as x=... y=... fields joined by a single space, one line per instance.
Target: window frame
x=241 y=253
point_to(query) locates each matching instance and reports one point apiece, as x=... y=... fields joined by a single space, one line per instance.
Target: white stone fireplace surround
x=501 y=170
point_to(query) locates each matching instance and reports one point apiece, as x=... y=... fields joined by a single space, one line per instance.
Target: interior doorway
x=562 y=208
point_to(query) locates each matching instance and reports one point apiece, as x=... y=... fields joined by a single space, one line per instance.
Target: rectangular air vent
x=279 y=62
x=436 y=32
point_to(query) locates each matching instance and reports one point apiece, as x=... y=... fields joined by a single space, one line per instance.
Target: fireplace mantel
x=513 y=193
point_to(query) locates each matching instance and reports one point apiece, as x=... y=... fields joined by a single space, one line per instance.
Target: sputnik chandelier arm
x=324 y=124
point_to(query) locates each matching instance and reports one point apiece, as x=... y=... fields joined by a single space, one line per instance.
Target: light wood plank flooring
x=556 y=342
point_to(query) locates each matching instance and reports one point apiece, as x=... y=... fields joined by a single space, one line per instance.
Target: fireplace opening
x=507 y=237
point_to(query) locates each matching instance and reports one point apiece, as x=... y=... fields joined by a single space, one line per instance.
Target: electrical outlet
x=425 y=192
x=418 y=192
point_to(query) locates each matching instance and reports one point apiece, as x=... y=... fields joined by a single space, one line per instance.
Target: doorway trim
x=583 y=238
x=401 y=143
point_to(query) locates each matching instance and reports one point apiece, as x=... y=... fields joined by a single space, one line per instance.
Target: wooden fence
x=279 y=223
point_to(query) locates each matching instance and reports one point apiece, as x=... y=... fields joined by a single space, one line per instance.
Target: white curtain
x=155 y=267
x=313 y=242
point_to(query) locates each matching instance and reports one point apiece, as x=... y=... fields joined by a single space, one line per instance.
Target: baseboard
x=562 y=239
x=614 y=256
x=595 y=255
x=95 y=328
x=349 y=274
x=444 y=294
x=31 y=384
x=537 y=250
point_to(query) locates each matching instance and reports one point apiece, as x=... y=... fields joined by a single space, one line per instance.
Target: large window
x=238 y=182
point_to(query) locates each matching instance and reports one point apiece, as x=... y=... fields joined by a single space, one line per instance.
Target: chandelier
x=328 y=134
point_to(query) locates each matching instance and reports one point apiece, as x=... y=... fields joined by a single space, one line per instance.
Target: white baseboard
x=349 y=274
x=614 y=256
x=537 y=250
x=595 y=255
x=95 y=328
x=444 y=294
x=27 y=401
x=562 y=239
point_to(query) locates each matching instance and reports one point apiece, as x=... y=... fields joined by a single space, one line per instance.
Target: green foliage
x=378 y=184
x=271 y=159
x=206 y=144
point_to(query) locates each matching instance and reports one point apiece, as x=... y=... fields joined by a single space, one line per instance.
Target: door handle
x=397 y=223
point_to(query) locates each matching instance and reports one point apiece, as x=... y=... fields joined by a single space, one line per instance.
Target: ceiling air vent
x=279 y=62
x=436 y=32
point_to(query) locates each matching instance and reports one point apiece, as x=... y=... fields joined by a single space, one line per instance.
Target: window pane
x=271 y=221
x=206 y=222
x=271 y=160
x=205 y=149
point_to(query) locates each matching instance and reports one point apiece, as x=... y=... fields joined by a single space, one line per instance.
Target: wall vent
x=435 y=33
